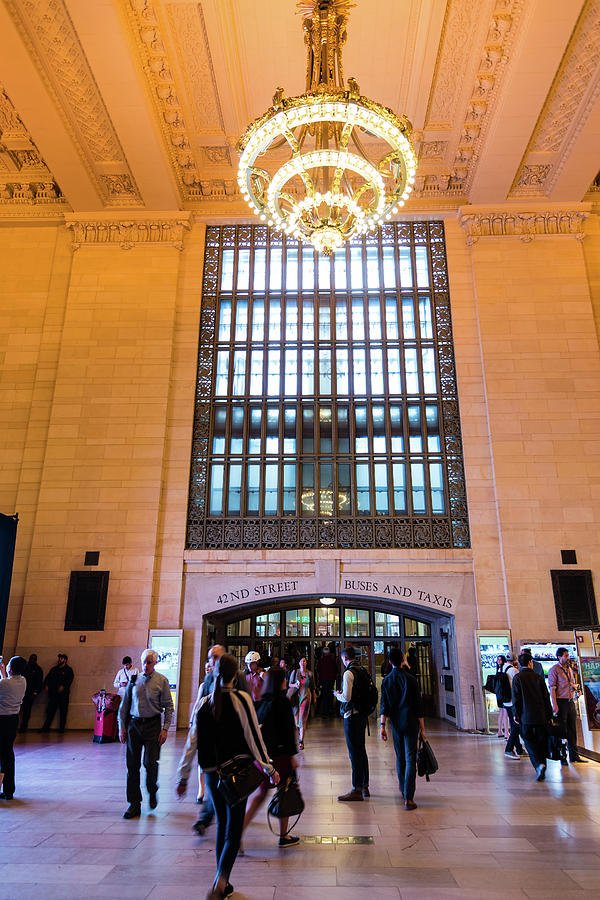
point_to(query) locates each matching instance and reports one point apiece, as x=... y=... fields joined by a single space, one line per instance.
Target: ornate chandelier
x=330 y=163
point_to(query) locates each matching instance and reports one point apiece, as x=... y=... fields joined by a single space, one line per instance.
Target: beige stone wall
x=542 y=386
x=98 y=354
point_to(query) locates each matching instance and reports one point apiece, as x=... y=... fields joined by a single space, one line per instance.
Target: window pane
x=260 y=269
x=399 y=479
x=356 y=622
x=358 y=319
x=224 y=320
x=291 y=319
x=308 y=429
x=222 y=372
x=406 y=279
x=396 y=429
x=289 y=489
x=241 y=320
x=308 y=320
x=235 y=489
x=356 y=268
x=325 y=430
x=412 y=372
x=394 y=371
x=415 y=441
x=326 y=489
x=425 y=318
x=271 y=475
x=361 y=443
x=253 y=490
x=340 y=270
x=237 y=430
x=414 y=628
x=363 y=499
x=273 y=373
x=324 y=272
x=376 y=370
x=382 y=505
x=417 y=475
x=256 y=373
x=308 y=372
x=291 y=275
x=429 y=384
x=343 y=429
x=379 y=440
x=243 y=275
x=386 y=625
x=254 y=437
x=219 y=426
x=391 y=318
x=239 y=629
x=408 y=318
x=438 y=505
x=289 y=433
x=308 y=489
x=325 y=371
x=274 y=318
x=433 y=428
x=227 y=270
x=324 y=319
x=372 y=268
x=217 y=471
x=327 y=621
x=275 y=273
x=297 y=622
x=422 y=268
x=344 y=490
x=341 y=320
x=291 y=373
x=272 y=430
x=360 y=373
x=308 y=269
x=341 y=364
x=374 y=319
x=389 y=269
x=258 y=319
x=239 y=372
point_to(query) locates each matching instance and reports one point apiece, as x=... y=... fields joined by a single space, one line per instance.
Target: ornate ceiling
x=137 y=104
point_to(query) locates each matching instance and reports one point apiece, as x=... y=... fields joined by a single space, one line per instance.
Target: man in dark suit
x=532 y=710
x=401 y=703
x=34 y=677
x=58 y=683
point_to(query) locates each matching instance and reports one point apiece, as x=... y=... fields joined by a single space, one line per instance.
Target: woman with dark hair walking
x=227 y=727
x=303 y=680
x=274 y=712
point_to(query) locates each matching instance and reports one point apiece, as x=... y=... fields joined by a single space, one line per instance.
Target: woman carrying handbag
x=228 y=739
x=275 y=715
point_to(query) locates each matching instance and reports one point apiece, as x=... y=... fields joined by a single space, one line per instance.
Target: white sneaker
x=512 y=754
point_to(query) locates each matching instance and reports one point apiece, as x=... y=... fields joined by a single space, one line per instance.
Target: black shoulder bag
x=426 y=762
x=239 y=777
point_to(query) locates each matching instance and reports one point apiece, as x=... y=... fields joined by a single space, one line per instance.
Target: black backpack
x=364 y=693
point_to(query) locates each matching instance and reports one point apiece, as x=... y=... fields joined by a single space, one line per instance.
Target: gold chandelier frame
x=333 y=186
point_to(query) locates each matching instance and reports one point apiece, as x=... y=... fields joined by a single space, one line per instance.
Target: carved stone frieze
x=53 y=44
x=197 y=78
x=25 y=179
x=128 y=232
x=573 y=96
x=523 y=224
x=457 y=38
x=220 y=156
x=432 y=149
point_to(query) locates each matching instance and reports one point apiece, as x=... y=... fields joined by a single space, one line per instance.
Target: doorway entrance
x=304 y=627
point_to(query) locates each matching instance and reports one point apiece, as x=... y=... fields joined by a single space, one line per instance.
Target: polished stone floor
x=484 y=828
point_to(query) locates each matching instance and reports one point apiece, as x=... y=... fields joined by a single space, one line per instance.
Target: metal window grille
x=326 y=406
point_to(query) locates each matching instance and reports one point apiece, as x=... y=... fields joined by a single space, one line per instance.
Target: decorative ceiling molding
x=456 y=47
x=150 y=37
x=53 y=44
x=573 y=95
x=25 y=179
x=166 y=229
x=525 y=224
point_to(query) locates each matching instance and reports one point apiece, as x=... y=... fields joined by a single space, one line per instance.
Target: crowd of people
x=262 y=714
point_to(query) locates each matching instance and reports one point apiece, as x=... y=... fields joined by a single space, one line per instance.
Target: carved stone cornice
x=25 y=179
x=550 y=220
x=196 y=79
x=53 y=44
x=571 y=100
x=456 y=46
x=166 y=229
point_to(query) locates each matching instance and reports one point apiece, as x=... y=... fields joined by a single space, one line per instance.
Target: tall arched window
x=326 y=409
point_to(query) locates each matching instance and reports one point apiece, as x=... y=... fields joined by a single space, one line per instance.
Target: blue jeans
x=355 y=727
x=230 y=824
x=405 y=745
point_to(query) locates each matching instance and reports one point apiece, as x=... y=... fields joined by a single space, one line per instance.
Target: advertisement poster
x=168 y=646
x=491 y=646
x=590 y=676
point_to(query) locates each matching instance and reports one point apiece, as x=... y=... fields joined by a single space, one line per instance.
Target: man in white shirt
x=123 y=676
x=12 y=691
